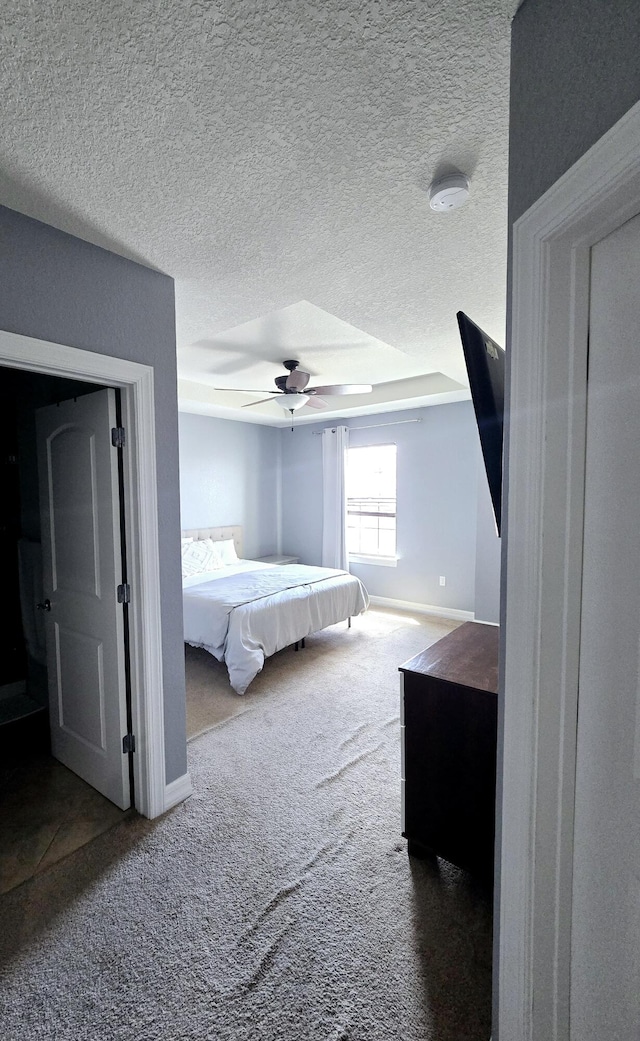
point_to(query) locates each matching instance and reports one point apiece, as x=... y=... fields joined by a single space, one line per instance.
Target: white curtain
x=334 y=516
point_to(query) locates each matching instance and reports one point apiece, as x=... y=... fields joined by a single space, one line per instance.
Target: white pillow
x=198 y=557
x=185 y=541
x=215 y=557
x=227 y=551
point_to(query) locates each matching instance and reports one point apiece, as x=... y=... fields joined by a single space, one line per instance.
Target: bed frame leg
x=295 y=646
x=349 y=622
x=302 y=643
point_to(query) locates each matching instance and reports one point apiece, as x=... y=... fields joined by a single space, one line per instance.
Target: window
x=371 y=503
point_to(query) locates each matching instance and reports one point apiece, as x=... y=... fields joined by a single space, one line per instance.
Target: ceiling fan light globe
x=291 y=402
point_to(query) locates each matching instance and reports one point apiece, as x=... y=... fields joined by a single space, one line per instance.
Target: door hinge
x=124 y=593
x=128 y=743
x=117 y=437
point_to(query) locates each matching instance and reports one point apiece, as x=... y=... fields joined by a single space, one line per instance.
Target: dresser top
x=468 y=656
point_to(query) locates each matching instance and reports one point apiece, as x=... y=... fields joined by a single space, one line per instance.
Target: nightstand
x=277 y=558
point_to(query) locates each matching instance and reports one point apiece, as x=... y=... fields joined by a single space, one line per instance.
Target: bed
x=242 y=611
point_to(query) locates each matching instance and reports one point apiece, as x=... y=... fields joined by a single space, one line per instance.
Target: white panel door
x=605 y=978
x=79 y=509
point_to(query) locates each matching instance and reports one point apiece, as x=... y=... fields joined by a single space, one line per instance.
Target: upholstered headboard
x=231 y=531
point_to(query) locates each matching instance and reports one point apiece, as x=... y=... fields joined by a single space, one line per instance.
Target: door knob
x=45 y=606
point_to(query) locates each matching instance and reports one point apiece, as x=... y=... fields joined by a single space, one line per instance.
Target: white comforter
x=242 y=619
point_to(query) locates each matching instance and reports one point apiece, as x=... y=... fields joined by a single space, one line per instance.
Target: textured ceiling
x=274 y=158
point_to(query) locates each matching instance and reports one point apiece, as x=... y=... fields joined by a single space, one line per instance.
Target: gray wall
x=59 y=288
x=439 y=529
x=488 y=546
x=574 y=73
x=230 y=474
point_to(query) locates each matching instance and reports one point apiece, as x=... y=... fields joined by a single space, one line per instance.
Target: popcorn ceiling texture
x=267 y=153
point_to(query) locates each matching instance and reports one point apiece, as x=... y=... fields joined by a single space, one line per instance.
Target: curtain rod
x=372 y=426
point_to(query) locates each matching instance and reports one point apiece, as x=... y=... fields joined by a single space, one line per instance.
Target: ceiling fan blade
x=245 y=390
x=261 y=402
x=314 y=402
x=297 y=380
x=342 y=388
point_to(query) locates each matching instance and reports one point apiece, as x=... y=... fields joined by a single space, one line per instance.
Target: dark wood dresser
x=448 y=716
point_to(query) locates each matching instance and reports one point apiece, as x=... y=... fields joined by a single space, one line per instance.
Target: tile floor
x=46 y=812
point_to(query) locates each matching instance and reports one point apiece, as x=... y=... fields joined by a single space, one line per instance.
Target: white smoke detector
x=448 y=193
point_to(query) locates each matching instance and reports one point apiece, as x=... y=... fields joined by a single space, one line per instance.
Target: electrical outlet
x=443 y=580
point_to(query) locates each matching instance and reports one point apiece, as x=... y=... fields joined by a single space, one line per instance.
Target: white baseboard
x=408 y=605
x=177 y=791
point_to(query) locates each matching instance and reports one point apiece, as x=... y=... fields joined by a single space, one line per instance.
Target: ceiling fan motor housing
x=281 y=384
x=295 y=382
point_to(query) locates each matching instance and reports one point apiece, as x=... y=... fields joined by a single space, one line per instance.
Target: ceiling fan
x=292 y=390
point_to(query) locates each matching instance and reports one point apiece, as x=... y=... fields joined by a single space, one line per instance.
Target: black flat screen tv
x=485 y=367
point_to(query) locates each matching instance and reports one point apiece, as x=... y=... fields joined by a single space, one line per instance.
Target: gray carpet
x=278 y=903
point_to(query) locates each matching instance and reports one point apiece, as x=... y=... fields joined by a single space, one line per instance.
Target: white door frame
x=546 y=461
x=141 y=501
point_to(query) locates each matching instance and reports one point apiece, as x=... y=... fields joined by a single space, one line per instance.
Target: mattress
x=244 y=612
